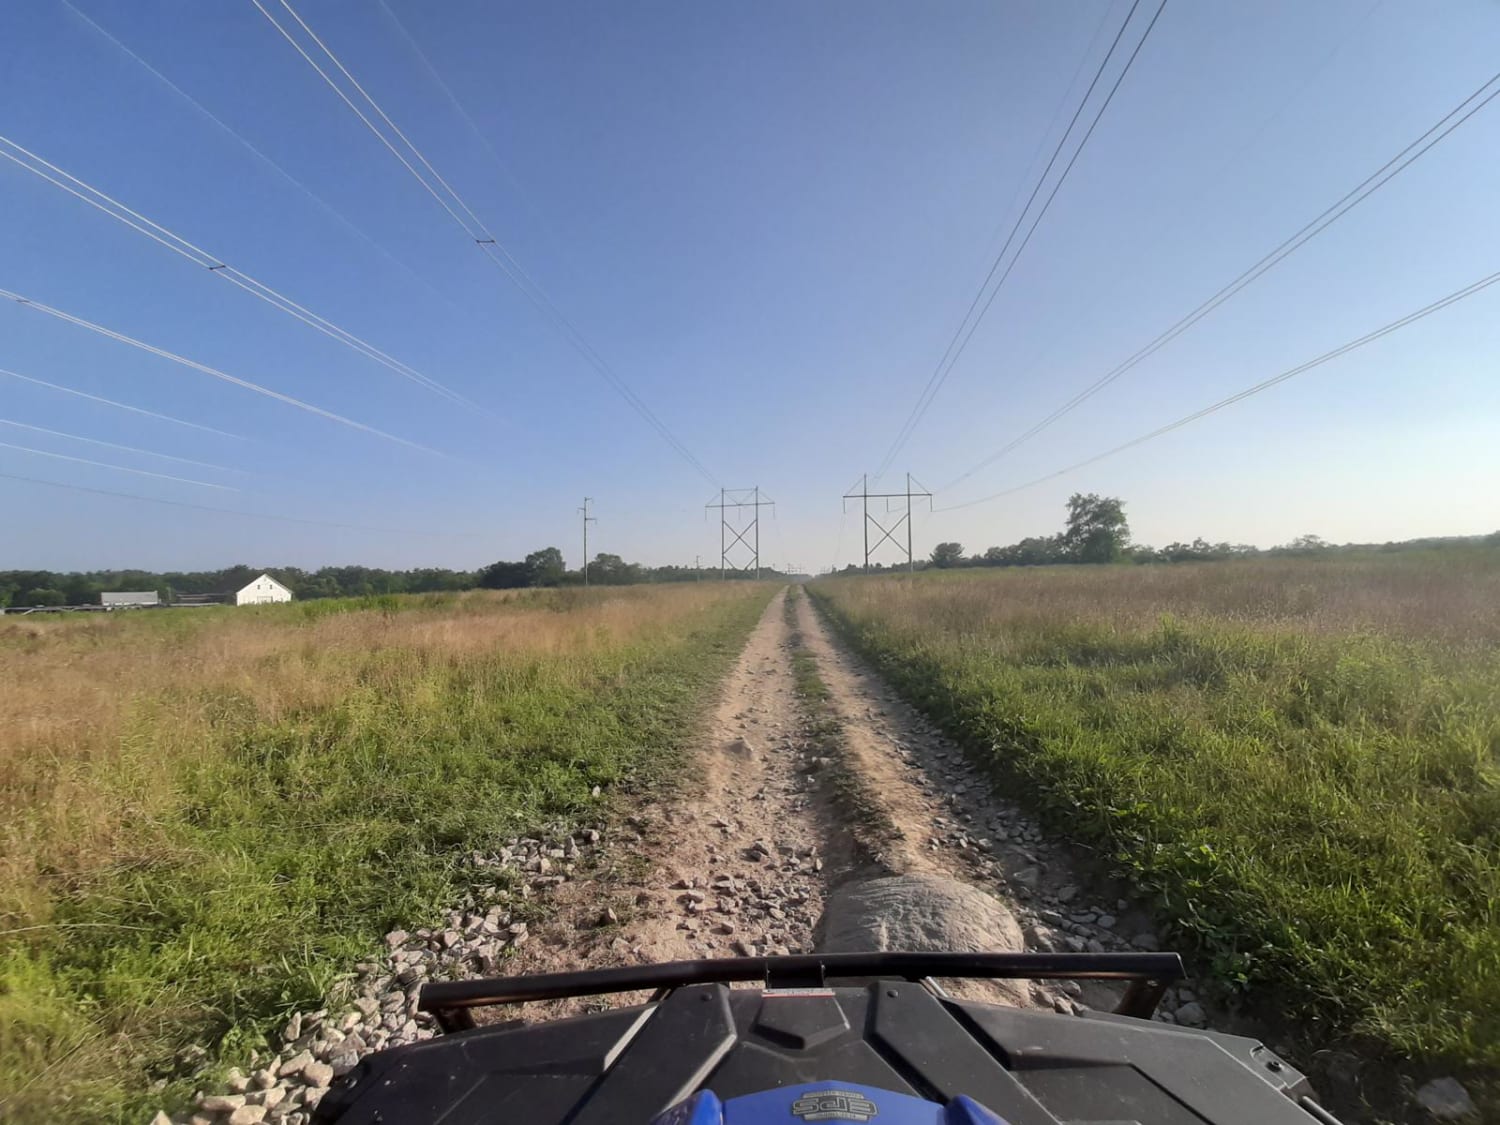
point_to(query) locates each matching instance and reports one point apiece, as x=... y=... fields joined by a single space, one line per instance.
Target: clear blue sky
x=769 y=219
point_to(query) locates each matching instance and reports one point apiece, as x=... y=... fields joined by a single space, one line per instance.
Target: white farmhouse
x=263 y=591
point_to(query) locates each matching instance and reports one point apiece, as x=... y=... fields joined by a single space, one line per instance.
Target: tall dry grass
x=206 y=814
x=78 y=773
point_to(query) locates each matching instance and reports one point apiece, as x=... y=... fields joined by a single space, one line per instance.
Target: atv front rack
x=1149 y=974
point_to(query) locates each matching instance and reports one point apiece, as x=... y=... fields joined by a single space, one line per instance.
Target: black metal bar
x=1142 y=996
x=1156 y=968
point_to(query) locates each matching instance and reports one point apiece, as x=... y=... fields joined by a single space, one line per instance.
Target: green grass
x=272 y=857
x=1315 y=809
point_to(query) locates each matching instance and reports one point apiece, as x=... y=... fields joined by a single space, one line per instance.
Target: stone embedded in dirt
x=740 y=748
x=1191 y=1015
x=1447 y=1100
x=223 y=1103
x=1028 y=877
x=915 y=913
x=247 y=1115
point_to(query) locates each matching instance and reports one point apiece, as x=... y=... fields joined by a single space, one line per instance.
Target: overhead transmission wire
x=119 y=405
x=1255 y=389
x=208 y=114
x=116 y=445
x=971 y=320
x=118 y=211
x=116 y=468
x=1330 y=215
x=468 y=221
x=231 y=511
x=1208 y=184
x=27 y=302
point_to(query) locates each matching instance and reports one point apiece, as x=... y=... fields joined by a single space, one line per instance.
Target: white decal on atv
x=834 y=1105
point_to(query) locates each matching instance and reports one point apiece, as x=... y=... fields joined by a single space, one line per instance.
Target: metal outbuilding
x=128 y=599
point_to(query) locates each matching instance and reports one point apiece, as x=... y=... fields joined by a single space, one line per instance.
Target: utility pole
x=587 y=519
x=697 y=568
x=732 y=534
x=864 y=496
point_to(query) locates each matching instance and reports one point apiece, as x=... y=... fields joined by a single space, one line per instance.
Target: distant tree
x=948 y=554
x=504 y=576
x=43 y=596
x=546 y=567
x=612 y=570
x=1307 y=545
x=1097 y=531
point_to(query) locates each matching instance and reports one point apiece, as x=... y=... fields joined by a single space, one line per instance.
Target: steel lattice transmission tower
x=902 y=513
x=736 y=530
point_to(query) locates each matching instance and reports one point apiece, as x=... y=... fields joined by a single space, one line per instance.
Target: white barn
x=263 y=591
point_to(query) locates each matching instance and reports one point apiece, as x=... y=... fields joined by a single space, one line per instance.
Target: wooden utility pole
x=587 y=519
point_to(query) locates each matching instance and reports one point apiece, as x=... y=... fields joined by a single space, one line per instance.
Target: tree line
x=1097 y=531
x=540 y=568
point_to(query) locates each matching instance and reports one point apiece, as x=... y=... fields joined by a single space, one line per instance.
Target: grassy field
x=1300 y=759
x=205 y=815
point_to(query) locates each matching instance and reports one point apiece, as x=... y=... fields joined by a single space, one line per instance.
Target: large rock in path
x=915 y=914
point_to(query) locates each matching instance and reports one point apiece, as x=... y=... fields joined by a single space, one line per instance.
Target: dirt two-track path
x=742 y=863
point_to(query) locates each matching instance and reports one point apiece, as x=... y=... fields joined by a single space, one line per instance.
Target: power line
x=1335 y=211
x=116 y=468
x=205 y=112
x=122 y=448
x=230 y=511
x=1206 y=185
x=118 y=405
x=473 y=227
x=27 y=302
x=215 y=265
x=1265 y=384
x=970 y=323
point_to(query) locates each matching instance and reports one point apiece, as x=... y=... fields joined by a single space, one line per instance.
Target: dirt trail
x=742 y=865
x=739 y=867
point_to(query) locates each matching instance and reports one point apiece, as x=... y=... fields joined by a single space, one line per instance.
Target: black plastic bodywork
x=627 y=1065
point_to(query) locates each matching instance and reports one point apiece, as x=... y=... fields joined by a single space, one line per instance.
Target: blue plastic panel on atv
x=825 y=1101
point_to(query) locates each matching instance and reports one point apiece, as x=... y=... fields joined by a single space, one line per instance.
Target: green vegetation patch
x=1318 y=812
